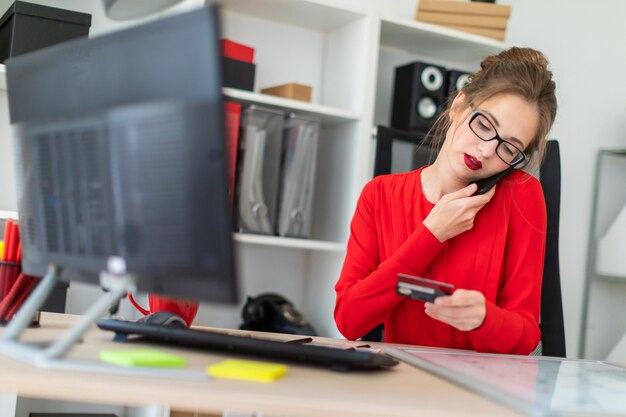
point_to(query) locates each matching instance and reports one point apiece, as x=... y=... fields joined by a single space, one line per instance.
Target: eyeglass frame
x=497 y=137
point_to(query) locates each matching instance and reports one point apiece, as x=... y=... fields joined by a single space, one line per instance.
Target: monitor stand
x=53 y=355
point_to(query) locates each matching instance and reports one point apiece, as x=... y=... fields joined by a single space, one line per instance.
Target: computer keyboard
x=336 y=359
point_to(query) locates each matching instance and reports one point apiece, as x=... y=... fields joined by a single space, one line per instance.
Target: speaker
x=418 y=96
x=456 y=81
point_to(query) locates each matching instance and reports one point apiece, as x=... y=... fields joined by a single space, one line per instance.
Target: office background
x=584 y=43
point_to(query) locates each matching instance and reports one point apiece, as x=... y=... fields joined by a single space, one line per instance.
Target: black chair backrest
x=399 y=151
x=552 y=325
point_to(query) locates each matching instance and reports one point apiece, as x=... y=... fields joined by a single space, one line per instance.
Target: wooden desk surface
x=303 y=391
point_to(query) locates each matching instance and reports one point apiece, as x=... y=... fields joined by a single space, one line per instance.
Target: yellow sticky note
x=247 y=370
x=1 y=250
x=142 y=357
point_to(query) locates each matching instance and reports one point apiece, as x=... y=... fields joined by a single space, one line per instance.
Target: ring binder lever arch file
x=300 y=142
x=259 y=156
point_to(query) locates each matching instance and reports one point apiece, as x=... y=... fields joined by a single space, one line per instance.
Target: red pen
x=29 y=283
x=4 y=282
x=18 y=257
x=15 y=243
x=8 y=241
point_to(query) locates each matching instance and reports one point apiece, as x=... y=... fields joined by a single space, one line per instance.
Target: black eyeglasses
x=484 y=129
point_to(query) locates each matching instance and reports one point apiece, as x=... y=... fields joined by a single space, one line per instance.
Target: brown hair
x=520 y=71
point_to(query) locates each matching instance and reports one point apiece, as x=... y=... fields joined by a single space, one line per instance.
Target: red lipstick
x=472 y=163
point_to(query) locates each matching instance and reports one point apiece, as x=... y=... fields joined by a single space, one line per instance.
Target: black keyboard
x=337 y=359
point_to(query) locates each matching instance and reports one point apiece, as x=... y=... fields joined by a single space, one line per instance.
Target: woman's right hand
x=455 y=212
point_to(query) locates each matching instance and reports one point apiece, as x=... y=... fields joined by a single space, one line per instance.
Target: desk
x=304 y=391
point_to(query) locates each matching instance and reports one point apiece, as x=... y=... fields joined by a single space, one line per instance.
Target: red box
x=237 y=51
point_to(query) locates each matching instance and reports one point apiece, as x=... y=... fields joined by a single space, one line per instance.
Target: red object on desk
x=238 y=51
x=186 y=309
x=14 y=285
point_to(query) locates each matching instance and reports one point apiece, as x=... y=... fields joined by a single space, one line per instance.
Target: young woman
x=428 y=223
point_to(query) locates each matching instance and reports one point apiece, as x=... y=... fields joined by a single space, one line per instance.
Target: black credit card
x=422 y=289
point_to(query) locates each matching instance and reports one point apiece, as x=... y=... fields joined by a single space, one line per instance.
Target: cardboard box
x=482 y=19
x=497 y=34
x=461 y=19
x=293 y=91
x=465 y=7
x=26 y=27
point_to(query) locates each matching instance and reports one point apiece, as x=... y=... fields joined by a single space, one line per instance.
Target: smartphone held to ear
x=487 y=184
x=422 y=289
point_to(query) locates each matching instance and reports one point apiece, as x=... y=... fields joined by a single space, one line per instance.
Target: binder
x=299 y=161
x=232 y=113
x=259 y=168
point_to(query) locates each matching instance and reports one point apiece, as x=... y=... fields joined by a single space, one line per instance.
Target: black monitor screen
x=120 y=151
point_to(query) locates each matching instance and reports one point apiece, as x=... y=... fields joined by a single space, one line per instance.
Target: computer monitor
x=120 y=152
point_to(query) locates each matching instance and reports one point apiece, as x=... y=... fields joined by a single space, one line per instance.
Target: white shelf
x=317 y=15
x=436 y=41
x=328 y=115
x=611 y=278
x=611 y=259
x=3 y=77
x=286 y=242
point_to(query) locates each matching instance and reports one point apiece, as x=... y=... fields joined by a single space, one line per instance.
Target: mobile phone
x=487 y=184
x=422 y=289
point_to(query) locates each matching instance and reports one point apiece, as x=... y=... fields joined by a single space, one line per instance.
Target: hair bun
x=518 y=55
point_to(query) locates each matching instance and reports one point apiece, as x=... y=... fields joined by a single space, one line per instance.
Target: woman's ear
x=458 y=104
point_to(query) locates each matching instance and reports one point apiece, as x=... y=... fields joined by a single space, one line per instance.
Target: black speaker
x=418 y=96
x=456 y=81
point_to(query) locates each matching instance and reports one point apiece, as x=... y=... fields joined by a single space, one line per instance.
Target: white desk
x=304 y=391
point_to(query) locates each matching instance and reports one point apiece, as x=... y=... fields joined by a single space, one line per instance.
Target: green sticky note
x=247 y=370
x=142 y=357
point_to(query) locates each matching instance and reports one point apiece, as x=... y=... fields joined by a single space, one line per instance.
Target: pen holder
x=14 y=289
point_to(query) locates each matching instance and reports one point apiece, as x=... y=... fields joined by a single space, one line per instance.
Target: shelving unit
x=605 y=287
x=347 y=54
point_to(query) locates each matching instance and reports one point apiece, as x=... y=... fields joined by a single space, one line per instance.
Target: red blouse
x=501 y=256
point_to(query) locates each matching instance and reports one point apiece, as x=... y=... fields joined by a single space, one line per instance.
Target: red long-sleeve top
x=501 y=256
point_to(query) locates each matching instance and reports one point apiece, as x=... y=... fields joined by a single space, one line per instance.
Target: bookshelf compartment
x=436 y=42
x=325 y=58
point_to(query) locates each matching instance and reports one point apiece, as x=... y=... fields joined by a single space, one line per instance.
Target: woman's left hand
x=464 y=309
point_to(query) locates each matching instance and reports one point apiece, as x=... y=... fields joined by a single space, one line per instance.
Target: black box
x=238 y=74
x=26 y=27
x=57 y=298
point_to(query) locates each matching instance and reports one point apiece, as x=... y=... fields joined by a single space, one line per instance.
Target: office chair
x=399 y=151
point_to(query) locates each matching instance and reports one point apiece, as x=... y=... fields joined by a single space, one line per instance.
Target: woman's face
x=509 y=116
